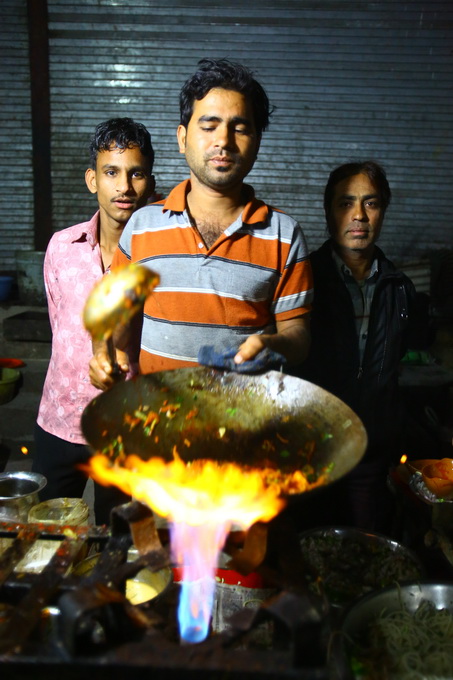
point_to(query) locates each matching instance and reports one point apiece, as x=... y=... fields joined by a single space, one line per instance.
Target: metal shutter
x=16 y=193
x=350 y=79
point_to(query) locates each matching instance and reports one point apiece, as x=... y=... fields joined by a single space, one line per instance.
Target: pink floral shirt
x=72 y=265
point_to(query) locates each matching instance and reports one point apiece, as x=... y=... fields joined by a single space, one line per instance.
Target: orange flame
x=186 y=492
x=202 y=499
x=403 y=459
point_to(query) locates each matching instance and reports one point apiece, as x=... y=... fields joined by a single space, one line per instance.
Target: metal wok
x=257 y=420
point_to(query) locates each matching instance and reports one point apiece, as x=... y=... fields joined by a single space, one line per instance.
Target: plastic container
x=6 y=284
x=9 y=378
x=56 y=511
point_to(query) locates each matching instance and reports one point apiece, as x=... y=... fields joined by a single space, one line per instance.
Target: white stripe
x=167 y=227
x=297 y=296
x=285 y=303
x=260 y=235
x=208 y=291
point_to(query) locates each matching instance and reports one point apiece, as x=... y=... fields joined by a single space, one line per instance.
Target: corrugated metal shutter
x=16 y=193
x=351 y=79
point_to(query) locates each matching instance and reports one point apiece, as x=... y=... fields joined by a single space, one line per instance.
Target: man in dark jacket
x=359 y=327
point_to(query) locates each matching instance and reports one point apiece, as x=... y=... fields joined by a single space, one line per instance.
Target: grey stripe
x=182 y=341
x=202 y=275
x=287 y=303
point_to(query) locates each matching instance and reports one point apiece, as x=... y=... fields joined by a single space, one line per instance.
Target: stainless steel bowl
x=344 y=563
x=18 y=494
x=358 y=617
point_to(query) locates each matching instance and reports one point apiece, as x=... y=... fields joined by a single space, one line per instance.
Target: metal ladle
x=115 y=300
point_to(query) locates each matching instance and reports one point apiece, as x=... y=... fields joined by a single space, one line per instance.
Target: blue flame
x=196 y=548
x=195 y=607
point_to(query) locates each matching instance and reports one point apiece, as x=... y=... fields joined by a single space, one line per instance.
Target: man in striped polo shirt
x=234 y=272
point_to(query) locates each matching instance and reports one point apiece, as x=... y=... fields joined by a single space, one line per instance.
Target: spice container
x=72 y=511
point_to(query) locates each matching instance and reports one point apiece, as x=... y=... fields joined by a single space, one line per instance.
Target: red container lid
x=11 y=363
x=229 y=577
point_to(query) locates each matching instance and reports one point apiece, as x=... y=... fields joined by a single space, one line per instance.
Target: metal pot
x=344 y=563
x=18 y=494
x=358 y=617
x=256 y=420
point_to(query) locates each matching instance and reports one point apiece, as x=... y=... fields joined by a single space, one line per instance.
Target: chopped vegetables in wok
x=284 y=457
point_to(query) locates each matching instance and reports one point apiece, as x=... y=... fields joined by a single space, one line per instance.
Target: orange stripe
x=150 y=363
x=295 y=279
x=118 y=259
x=206 y=309
x=255 y=251
x=156 y=243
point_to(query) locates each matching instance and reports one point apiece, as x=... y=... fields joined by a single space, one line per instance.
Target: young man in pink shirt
x=76 y=258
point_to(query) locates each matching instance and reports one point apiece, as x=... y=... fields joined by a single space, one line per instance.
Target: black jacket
x=369 y=387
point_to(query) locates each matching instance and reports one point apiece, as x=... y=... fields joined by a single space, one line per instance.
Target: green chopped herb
x=285 y=453
x=325 y=436
x=231 y=411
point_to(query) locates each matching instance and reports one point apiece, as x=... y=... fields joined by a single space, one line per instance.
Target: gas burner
x=58 y=623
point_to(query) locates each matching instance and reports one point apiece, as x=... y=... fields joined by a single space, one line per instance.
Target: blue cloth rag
x=265 y=360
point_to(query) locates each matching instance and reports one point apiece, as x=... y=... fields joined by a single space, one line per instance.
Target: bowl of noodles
x=403 y=632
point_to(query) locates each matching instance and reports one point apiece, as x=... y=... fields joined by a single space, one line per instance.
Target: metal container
x=344 y=563
x=358 y=617
x=18 y=494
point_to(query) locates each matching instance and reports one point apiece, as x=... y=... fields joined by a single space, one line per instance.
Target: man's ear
x=258 y=144
x=90 y=180
x=181 y=136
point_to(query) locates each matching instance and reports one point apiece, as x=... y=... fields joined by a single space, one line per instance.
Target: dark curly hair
x=229 y=75
x=124 y=133
x=375 y=174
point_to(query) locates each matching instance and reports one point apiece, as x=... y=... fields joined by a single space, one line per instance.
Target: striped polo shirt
x=256 y=273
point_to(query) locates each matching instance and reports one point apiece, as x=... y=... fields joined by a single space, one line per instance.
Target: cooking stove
x=56 y=623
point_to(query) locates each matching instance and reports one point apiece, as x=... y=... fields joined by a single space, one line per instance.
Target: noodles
x=409 y=646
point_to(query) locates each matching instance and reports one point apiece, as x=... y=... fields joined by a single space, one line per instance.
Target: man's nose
x=360 y=214
x=224 y=137
x=124 y=183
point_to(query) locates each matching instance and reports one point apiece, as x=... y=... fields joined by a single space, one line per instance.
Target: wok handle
x=116 y=371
